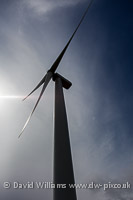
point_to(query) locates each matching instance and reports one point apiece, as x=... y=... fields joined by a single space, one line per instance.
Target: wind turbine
x=63 y=167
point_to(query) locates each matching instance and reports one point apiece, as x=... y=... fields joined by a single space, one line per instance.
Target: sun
x=8 y=91
x=7 y=94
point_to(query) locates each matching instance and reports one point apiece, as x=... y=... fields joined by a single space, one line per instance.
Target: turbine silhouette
x=63 y=167
x=45 y=80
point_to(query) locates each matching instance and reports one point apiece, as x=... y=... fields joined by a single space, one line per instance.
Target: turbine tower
x=63 y=167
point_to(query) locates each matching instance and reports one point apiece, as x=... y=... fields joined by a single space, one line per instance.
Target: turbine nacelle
x=65 y=83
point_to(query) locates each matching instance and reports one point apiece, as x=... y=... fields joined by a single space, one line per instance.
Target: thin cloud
x=41 y=7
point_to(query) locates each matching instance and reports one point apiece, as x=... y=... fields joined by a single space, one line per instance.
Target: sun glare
x=11 y=97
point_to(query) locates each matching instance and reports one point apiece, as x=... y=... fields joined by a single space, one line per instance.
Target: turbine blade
x=39 y=84
x=47 y=79
x=59 y=58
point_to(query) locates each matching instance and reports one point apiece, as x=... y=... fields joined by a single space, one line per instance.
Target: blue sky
x=98 y=62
